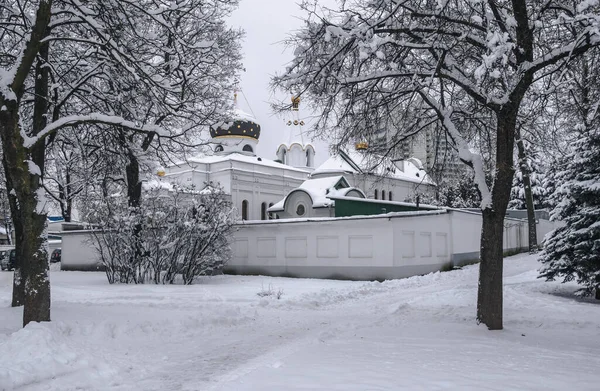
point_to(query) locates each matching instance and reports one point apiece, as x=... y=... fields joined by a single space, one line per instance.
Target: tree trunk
x=35 y=265
x=134 y=196
x=18 y=292
x=35 y=235
x=489 y=292
x=32 y=287
x=531 y=224
x=134 y=185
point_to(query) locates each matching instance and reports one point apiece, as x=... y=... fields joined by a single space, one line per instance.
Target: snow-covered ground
x=412 y=334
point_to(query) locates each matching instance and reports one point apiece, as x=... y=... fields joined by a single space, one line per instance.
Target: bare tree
x=466 y=64
x=156 y=71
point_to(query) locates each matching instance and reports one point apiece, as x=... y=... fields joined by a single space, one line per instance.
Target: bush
x=175 y=232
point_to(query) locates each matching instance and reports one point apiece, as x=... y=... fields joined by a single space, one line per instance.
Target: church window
x=263 y=211
x=300 y=210
x=219 y=148
x=269 y=215
x=376 y=194
x=247 y=148
x=383 y=194
x=390 y=196
x=245 y=210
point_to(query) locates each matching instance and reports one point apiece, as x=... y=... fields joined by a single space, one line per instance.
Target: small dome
x=240 y=125
x=361 y=146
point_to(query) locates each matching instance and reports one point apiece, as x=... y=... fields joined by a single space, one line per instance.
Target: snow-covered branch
x=94 y=118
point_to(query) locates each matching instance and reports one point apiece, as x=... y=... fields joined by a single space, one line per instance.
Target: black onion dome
x=242 y=125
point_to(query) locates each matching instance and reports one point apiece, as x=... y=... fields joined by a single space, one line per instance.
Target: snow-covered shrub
x=573 y=250
x=270 y=292
x=174 y=233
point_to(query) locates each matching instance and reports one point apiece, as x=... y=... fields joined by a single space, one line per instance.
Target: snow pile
x=41 y=352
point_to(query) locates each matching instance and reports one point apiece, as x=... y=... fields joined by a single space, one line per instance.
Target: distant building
x=431 y=146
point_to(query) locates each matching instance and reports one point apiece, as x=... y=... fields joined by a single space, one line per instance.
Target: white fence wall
x=367 y=247
x=357 y=248
x=373 y=247
x=78 y=253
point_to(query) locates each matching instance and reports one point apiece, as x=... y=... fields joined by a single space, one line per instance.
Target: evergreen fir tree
x=517 y=192
x=460 y=193
x=552 y=181
x=573 y=250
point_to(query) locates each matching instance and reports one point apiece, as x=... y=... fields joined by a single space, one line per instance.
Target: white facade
x=253 y=183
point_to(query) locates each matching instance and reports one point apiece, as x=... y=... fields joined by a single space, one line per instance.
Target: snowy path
x=413 y=334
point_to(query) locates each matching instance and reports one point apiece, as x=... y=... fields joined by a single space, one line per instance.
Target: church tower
x=295 y=152
x=239 y=134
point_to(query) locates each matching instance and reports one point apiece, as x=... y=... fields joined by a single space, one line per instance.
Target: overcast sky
x=267 y=23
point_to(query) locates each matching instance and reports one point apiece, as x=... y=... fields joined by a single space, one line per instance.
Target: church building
x=290 y=186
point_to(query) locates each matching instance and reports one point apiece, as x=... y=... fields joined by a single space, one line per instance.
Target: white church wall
x=391 y=246
x=375 y=247
x=78 y=253
x=466 y=232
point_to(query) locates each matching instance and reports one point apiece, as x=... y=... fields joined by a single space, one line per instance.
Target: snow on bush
x=178 y=232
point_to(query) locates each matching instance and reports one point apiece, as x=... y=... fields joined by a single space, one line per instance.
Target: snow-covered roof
x=319 y=190
x=357 y=162
x=238 y=157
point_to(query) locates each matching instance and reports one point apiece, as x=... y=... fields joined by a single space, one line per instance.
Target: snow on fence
x=394 y=245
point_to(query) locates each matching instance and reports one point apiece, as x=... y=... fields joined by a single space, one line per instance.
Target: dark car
x=4 y=254
x=55 y=257
x=9 y=259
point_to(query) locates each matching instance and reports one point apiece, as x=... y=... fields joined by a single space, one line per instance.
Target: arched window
x=247 y=148
x=383 y=194
x=245 y=210
x=269 y=216
x=284 y=157
x=263 y=211
x=390 y=196
x=376 y=194
x=219 y=148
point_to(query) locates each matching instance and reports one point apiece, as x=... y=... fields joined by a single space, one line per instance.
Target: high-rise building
x=431 y=147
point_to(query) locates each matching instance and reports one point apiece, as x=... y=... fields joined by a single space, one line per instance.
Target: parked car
x=8 y=259
x=4 y=254
x=55 y=257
